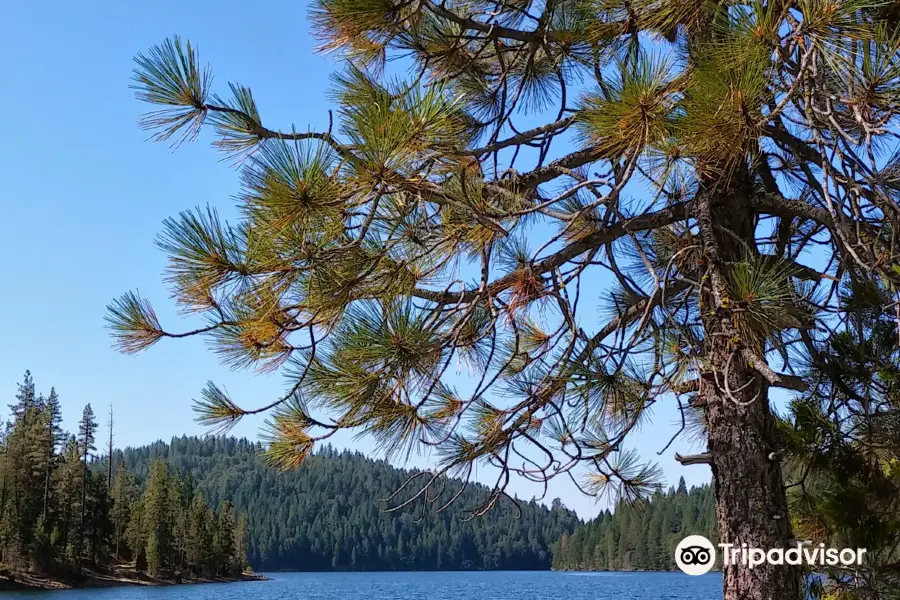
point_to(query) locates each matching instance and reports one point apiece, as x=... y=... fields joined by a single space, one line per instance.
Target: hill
x=327 y=515
x=641 y=536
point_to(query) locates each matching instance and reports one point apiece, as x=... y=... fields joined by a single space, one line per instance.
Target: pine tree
x=98 y=524
x=53 y=440
x=123 y=497
x=713 y=147
x=14 y=463
x=637 y=540
x=199 y=539
x=69 y=486
x=156 y=519
x=241 y=532
x=25 y=398
x=657 y=559
x=213 y=556
x=223 y=539
x=22 y=531
x=329 y=504
x=843 y=449
x=178 y=506
x=41 y=458
x=136 y=534
x=87 y=428
x=56 y=510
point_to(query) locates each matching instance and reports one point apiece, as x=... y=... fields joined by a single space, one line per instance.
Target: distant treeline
x=328 y=515
x=639 y=536
x=61 y=510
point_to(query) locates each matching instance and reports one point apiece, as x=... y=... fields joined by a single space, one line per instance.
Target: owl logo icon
x=695 y=555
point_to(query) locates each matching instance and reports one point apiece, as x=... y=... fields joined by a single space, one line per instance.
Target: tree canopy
x=729 y=165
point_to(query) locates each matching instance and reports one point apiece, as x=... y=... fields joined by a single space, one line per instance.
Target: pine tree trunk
x=751 y=507
x=751 y=504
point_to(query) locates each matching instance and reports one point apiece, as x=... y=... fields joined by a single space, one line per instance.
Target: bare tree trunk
x=751 y=504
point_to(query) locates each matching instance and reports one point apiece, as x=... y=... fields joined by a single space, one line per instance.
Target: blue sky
x=85 y=195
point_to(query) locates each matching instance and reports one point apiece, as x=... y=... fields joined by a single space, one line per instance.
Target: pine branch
x=646 y=221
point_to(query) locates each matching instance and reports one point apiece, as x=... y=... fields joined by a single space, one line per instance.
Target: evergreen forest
x=329 y=515
x=639 y=536
x=63 y=513
x=209 y=507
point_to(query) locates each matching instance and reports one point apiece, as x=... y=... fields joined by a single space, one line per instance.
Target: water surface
x=501 y=585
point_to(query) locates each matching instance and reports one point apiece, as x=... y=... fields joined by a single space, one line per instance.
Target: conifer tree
x=842 y=443
x=97 y=523
x=54 y=438
x=156 y=518
x=223 y=539
x=25 y=398
x=87 y=428
x=16 y=530
x=123 y=497
x=213 y=556
x=136 y=534
x=25 y=460
x=70 y=480
x=199 y=538
x=241 y=533
x=41 y=449
x=699 y=153
x=177 y=519
x=635 y=536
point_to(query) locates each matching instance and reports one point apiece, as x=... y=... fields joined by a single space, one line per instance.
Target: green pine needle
x=133 y=323
x=216 y=410
x=170 y=75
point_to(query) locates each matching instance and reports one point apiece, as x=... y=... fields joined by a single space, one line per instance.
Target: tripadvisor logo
x=696 y=555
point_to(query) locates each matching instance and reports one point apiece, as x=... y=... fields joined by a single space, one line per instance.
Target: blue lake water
x=505 y=585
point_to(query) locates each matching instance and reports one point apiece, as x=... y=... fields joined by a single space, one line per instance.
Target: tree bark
x=751 y=504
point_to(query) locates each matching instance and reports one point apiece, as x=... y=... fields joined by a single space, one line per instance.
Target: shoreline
x=101 y=579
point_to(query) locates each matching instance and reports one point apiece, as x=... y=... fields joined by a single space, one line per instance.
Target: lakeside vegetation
x=166 y=512
x=64 y=519
x=642 y=536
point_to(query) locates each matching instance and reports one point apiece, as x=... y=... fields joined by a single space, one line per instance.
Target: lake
x=502 y=585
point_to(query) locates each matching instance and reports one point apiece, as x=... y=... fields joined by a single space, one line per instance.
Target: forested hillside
x=639 y=536
x=328 y=514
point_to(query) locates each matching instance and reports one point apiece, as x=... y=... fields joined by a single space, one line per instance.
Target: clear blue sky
x=85 y=195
